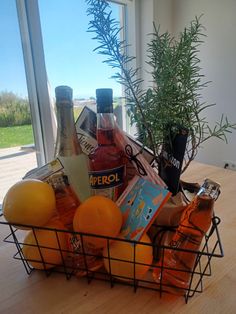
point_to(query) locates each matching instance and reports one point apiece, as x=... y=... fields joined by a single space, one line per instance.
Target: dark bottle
x=194 y=223
x=107 y=162
x=172 y=155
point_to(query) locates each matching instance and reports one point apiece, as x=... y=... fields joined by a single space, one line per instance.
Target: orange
x=98 y=215
x=124 y=252
x=30 y=202
x=49 y=243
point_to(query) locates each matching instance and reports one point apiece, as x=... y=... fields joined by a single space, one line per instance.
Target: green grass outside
x=21 y=135
x=16 y=136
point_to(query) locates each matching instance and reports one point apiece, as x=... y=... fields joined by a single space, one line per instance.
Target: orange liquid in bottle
x=175 y=266
x=66 y=199
x=108 y=159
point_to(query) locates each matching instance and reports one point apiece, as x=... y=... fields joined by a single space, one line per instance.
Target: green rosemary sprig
x=107 y=35
x=175 y=95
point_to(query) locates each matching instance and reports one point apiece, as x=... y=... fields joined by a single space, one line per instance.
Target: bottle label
x=107 y=178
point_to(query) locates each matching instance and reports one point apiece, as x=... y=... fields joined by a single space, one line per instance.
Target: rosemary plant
x=174 y=98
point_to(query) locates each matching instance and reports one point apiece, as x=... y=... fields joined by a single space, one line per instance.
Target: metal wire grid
x=211 y=247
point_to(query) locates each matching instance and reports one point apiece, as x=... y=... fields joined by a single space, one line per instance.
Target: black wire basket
x=77 y=260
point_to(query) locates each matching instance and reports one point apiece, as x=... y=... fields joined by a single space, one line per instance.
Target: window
x=43 y=118
x=67 y=49
x=17 y=154
x=40 y=69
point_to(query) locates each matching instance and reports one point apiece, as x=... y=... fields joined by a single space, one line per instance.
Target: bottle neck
x=205 y=202
x=105 y=129
x=67 y=143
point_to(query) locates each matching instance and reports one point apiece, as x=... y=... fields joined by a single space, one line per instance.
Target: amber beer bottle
x=68 y=149
x=107 y=162
x=175 y=266
x=66 y=199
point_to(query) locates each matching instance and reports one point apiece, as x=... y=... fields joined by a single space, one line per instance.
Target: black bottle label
x=106 y=179
x=171 y=159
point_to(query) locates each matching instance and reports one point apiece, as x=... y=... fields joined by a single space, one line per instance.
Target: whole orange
x=29 y=202
x=119 y=259
x=98 y=215
x=42 y=247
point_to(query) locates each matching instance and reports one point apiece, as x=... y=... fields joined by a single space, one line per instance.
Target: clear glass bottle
x=194 y=223
x=107 y=162
x=68 y=149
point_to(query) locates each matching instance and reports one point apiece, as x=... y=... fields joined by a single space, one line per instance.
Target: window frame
x=41 y=102
x=43 y=117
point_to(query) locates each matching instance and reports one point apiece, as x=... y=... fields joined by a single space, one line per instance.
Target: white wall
x=147 y=12
x=218 y=62
x=163 y=14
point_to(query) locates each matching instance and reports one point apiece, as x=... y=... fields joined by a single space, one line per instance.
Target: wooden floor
x=14 y=163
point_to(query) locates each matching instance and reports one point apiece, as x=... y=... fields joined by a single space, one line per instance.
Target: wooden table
x=21 y=293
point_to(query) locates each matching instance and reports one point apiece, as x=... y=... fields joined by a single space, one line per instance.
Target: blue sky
x=12 y=75
x=68 y=48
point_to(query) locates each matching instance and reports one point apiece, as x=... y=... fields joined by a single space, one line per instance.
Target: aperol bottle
x=175 y=266
x=107 y=162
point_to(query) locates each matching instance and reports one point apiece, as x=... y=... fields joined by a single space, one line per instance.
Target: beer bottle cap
x=63 y=93
x=104 y=97
x=210 y=188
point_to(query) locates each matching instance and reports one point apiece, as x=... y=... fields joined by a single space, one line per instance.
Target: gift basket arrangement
x=113 y=208
x=100 y=210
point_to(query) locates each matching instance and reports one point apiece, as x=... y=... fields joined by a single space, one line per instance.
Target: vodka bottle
x=176 y=265
x=107 y=162
x=68 y=149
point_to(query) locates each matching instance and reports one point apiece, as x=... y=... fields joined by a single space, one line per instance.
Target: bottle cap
x=64 y=93
x=210 y=188
x=104 y=97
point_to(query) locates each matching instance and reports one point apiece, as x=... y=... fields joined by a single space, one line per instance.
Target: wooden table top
x=20 y=293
